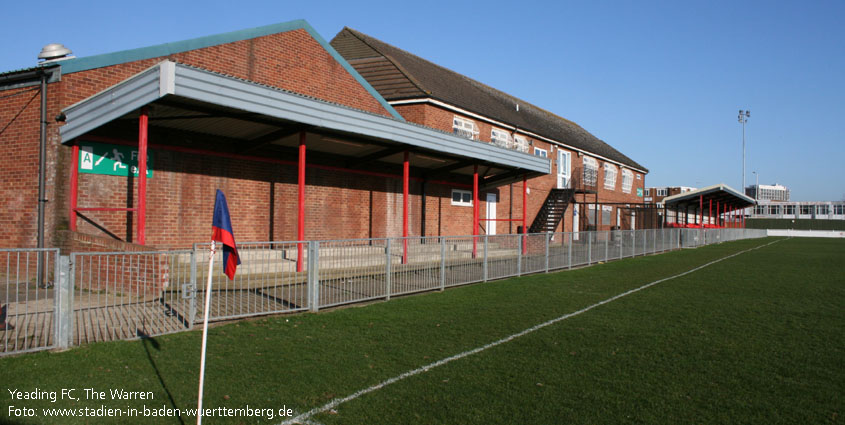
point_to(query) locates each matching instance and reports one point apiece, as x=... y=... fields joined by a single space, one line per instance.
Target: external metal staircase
x=552 y=211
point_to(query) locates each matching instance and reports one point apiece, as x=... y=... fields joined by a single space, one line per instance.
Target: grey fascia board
x=216 y=89
x=169 y=78
x=111 y=104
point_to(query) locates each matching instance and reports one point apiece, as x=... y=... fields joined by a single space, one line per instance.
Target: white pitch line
x=304 y=418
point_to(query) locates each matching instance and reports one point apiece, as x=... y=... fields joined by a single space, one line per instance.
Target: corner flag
x=221 y=227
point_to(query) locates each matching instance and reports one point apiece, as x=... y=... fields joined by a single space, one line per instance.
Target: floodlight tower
x=743 y=118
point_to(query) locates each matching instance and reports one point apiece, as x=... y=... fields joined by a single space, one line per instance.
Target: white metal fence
x=124 y=295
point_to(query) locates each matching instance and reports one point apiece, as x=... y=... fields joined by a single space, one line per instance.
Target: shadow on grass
x=148 y=342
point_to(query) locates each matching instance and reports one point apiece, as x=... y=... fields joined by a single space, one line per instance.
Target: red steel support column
x=74 y=186
x=406 y=175
x=718 y=214
x=710 y=213
x=300 y=218
x=474 y=210
x=524 y=211
x=700 y=210
x=142 y=175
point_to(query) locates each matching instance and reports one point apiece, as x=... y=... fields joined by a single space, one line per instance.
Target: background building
x=655 y=195
x=766 y=192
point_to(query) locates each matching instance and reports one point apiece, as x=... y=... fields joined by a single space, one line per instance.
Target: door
x=564 y=168
x=491 y=213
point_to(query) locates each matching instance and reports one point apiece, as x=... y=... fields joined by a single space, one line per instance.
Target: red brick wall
x=290 y=60
x=538 y=187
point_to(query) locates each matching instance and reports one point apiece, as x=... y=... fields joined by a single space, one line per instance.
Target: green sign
x=112 y=160
x=640 y=192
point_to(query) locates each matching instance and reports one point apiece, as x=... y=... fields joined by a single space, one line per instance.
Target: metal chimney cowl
x=53 y=52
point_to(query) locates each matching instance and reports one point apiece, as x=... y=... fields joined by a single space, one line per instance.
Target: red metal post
x=524 y=211
x=710 y=213
x=474 y=211
x=300 y=222
x=406 y=174
x=142 y=175
x=74 y=186
x=718 y=214
x=701 y=210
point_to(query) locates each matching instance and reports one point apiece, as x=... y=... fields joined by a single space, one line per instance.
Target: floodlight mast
x=743 y=118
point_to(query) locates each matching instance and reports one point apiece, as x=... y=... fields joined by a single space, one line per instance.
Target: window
x=662 y=192
x=541 y=152
x=591 y=171
x=839 y=209
x=501 y=138
x=464 y=128
x=760 y=210
x=609 y=176
x=627 y=180
x=789 y=209
x=606 y=213
x=648 y=192
x=774 y=210
x=806 y=209
x=461 y=197
x=823 y=210
x=521 y=144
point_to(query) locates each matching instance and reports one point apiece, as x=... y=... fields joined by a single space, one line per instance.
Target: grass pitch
x=756 y=338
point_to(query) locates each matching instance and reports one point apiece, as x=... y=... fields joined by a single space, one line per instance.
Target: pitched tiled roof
x=399 y=75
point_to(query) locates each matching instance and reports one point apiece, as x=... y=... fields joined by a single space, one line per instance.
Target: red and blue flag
x=221 y=227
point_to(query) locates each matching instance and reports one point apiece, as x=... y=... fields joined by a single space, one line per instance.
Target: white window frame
x=610 y=172
x=662 y=192
x=461 y=203
x=592 y=164
x=648 y=192
x=541 y=152
x=464 y=128
x=520 y=143
x=501 y=138
x=627 y=180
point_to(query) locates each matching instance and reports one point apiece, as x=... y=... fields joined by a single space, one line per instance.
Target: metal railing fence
x=28 y=299
x=125 y=295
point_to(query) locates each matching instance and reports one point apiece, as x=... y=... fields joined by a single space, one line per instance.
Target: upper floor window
x=501 y=138
x=591 y=171
x=627 y=180
x=609 y=176
x=464 y=128
x=520 y=143
x=541 y=152
x=662 y=192
x=648 y=192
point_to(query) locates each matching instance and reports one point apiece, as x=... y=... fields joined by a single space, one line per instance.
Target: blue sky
x=660 y=81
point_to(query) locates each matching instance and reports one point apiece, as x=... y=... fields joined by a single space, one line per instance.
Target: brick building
x=588 y=175
x=304 y=146
x=655 y=195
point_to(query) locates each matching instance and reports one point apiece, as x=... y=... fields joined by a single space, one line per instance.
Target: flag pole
x=205 y=331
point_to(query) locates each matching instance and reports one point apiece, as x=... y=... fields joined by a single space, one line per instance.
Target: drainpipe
x=42 y=170
x=42 y=159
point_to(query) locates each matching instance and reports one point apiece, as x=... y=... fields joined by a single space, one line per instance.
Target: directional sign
x=112 y=160
x=639 y=191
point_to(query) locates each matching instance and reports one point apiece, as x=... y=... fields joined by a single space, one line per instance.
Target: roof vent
x=54 y=52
